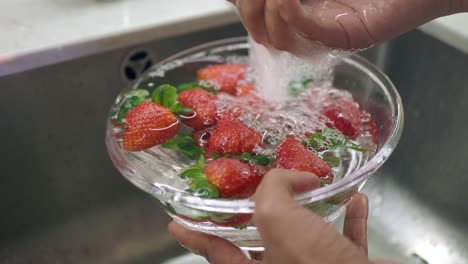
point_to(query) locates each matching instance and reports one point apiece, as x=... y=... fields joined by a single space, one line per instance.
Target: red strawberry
x=231 y=136
x=250 y=104
x=372 y=128
x=292 y=155
x=345 y=116
x=202 y=102
x=244 y=89
x=224 y=76
x=234 y=178
x=149 y=124
x=202 y=136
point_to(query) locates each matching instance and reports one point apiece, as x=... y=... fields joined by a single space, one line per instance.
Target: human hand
x=290 y=232
x=345 y=24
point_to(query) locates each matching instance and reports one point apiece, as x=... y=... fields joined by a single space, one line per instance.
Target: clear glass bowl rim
x=248 y=205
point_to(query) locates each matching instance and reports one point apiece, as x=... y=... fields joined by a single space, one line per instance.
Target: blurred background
x=62 y=63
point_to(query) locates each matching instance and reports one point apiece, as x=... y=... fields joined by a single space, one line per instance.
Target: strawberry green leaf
x=188 y=146
x=185 y=144
x=133 y=99
x=175 y=107
x=191 y=152
x=323 y=183
x=142 y=93
x=184 y=111
x=259 y=159
x=188 y=86
x=240 y=227
x=171 y=144
x=195 y=171
x=207 y=192
x=307 y=81
x=331 y=140
x=247 y=157
x=198 y=181
x=331 y=159
x=195 y=85
x=317 y=141
x=201 y=162
x=166 y=95
x=356 y=147
x=203 y=188
x=192 y=173
x=298 y=87
x=216 y=155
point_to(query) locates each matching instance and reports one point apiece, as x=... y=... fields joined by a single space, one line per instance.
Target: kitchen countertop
x=37 y=33
x=452 y=30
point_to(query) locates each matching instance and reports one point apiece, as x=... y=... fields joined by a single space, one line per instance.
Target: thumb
x=275 y=206
x=290 y=232
x=280 y=186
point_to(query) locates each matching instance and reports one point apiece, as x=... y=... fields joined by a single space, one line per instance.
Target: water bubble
x=273 y=119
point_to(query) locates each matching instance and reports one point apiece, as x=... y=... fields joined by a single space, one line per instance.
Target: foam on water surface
x=274 y=70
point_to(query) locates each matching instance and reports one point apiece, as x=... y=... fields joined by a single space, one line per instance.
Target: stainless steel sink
x=63 y=202
x=418 y=207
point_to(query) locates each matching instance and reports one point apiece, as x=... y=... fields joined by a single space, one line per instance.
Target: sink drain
x=136 y=63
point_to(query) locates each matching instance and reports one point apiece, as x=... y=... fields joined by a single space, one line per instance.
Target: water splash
x=275 y=69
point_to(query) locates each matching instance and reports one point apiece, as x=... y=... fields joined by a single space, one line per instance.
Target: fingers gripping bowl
x=194 y=133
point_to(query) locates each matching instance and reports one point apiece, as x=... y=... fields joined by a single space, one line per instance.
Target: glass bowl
x=229 y=218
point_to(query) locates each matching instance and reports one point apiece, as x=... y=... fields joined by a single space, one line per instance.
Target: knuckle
x=264 y=210
x=279 y=44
